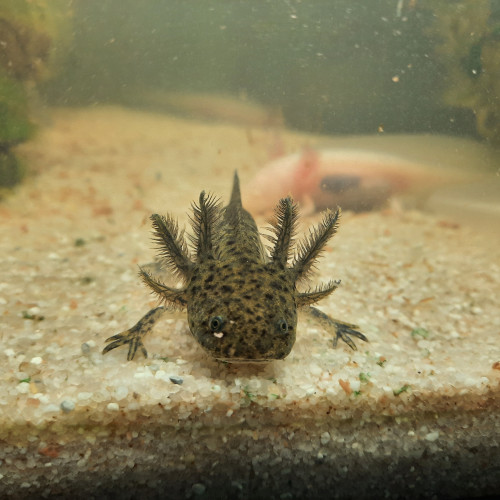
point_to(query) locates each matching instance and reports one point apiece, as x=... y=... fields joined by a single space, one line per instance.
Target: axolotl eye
x=216 y=323
x=282 y=326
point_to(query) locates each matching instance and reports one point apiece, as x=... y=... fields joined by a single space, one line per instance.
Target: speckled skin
x=257 y=304
x=241 y=301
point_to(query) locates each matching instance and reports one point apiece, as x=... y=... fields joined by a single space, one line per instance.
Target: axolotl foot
x=133 y=336
x=341 y=330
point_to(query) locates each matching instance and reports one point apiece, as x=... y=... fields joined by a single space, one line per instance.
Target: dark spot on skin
x=209 y=279
x=227 y=289
x=268 y=296
x=276 y=285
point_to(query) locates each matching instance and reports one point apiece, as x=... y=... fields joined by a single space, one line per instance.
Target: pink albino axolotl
x=357 y=180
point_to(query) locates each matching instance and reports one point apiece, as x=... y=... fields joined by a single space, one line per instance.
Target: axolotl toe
x=241 y=298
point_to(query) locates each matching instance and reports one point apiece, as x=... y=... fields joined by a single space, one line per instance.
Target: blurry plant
x=467 y=36
x=29 y=30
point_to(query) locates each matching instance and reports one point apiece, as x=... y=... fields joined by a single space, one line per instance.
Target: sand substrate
x=414 y=413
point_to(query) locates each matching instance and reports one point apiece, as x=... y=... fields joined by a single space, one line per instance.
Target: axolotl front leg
x=339 y=329
x=133 y=336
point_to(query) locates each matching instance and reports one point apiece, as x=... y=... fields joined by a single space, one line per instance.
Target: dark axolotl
x=241 y=300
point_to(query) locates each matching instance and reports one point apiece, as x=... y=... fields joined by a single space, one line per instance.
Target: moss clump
x=29 y=33
x=32 y=32
x=467 y=38
x=15 y=124
x=11 y=169
x=15 y=127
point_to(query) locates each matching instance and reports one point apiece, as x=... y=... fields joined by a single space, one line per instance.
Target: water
x=377 y=69
x=118 y=109
x=342 y=67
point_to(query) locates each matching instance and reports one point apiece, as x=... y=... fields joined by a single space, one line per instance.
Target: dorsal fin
x=235 y=194
x=239 y=227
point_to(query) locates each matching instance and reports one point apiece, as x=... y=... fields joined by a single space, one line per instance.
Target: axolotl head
x=243 y=312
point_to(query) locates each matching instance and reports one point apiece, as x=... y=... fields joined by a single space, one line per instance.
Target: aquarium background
x=337 y=67
x=111 y=111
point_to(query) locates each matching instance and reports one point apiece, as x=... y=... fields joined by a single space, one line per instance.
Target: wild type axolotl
x=241 y=300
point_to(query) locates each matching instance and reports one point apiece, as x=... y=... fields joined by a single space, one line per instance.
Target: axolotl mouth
x=243 y=361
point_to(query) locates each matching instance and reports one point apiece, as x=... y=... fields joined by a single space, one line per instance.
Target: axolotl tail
x=235 y=193
x=239 y=233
